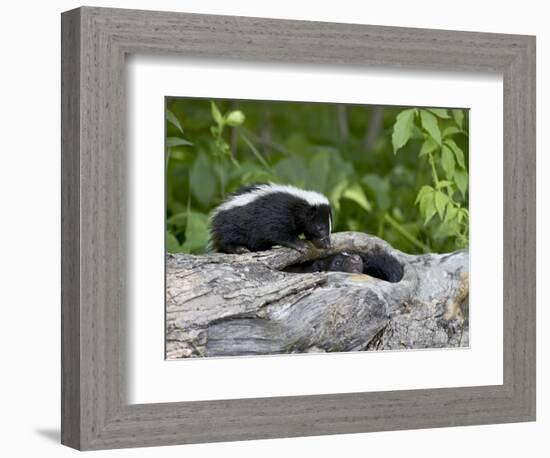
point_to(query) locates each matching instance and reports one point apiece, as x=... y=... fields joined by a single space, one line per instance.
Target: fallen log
x=231 y=305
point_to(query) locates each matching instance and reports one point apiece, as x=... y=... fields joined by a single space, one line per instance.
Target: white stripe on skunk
x=311 y=197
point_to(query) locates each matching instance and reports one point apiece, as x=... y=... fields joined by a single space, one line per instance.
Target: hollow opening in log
x=377 y=264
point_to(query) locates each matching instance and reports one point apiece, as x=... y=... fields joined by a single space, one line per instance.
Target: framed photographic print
x=285 y=228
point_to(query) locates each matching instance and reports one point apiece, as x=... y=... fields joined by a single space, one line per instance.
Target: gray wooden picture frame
x=95 y=412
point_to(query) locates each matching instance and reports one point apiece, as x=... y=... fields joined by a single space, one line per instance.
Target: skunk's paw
x=300 y=246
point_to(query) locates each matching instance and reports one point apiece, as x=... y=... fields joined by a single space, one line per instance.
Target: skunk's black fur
x=259 y=216
x=381 y=265
x=376 y=264
x=340 y=262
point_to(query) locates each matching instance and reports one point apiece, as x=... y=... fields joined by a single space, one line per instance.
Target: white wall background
x=29 y=231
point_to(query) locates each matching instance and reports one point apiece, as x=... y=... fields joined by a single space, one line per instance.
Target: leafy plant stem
x=434 y=171
x=255 y=151
x=273 y=145
x=405 y=233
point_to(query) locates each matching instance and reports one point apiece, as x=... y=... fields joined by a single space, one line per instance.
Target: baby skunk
x=375 y=264
x=259 y=216
x=340 y=262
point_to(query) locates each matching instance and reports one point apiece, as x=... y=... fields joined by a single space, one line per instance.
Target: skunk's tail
x=381 y=265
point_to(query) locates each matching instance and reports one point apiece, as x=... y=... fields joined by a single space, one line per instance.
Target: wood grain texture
x=231 y=305
x=95 y=411
x=70 y=229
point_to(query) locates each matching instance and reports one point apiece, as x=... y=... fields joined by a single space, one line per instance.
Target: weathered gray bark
x=222 y=305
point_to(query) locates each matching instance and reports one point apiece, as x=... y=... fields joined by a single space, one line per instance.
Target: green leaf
x=459 y=155
x=291 y=170
x=380 y=188
x=403 y=128
x=463 y=214
x=452 y=213
x=458 y=116
x=423 y=191
x=444 y=184
x=451 y=130
x=204 y=183
x=357 y=195
x=461 y=180
x=319 y=169
x=429 y=123
x=172 y=119
x=172 y=244
x=440 y=112
x=441 y=201
x=177 y=141
x=447 y=229
x=248 y=173
x=339 y=170
x=429 y=146
x=430 y=210
x=336 y=194
x=426 y=203
x=196 y=232
x=234 y=118
x=178 y=220
x=448 y=161
x=216 y=115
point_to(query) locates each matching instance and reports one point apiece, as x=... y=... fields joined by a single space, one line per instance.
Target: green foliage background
x=399 y=173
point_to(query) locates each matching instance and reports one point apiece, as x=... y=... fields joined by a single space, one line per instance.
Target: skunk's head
x=346 y=262
x=318 y=225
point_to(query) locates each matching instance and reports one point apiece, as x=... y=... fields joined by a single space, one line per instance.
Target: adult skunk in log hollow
x=259 y=216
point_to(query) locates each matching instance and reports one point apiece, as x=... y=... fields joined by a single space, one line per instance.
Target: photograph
x=306 y=227
x=264 y=229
